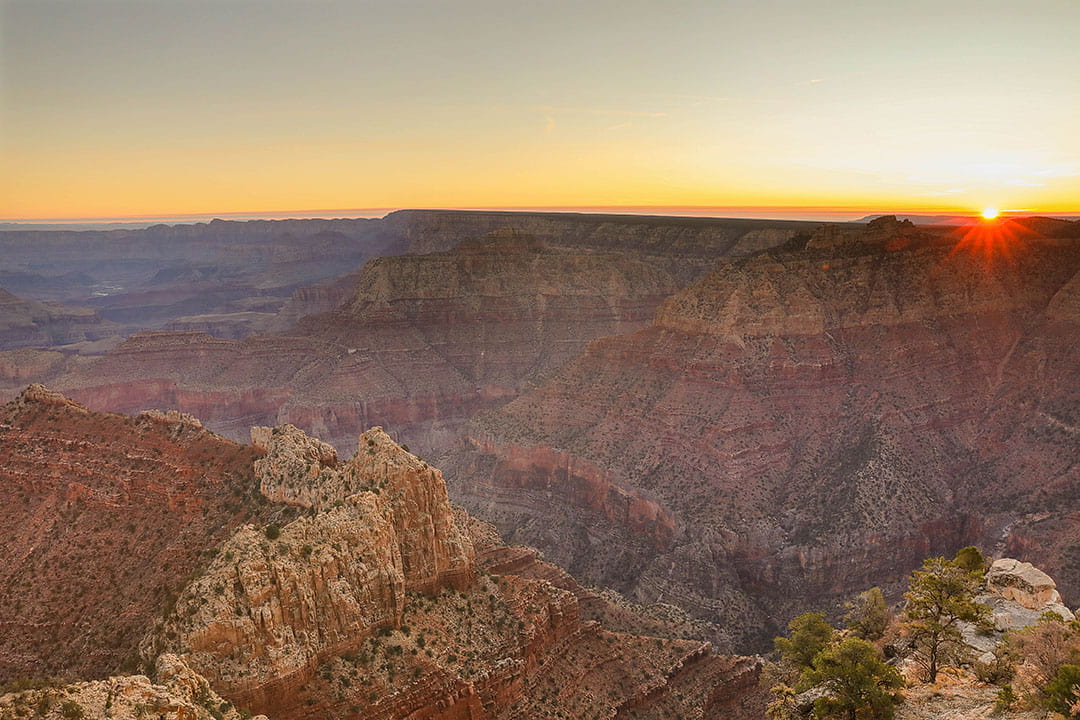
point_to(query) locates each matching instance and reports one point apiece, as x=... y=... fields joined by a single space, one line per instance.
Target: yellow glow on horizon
x=106 y=113
x=989 y=213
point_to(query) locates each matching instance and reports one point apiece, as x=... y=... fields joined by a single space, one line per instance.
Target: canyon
x=221 y=274
x=744 y=419
x=805 y=423
x=420 y=342
x=314 y=587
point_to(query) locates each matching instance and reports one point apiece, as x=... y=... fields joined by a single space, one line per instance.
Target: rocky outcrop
x=297 y=469
x=178 y=694
x=802 y=415
x=1022 y=584
x=355 y=593
x=276 y=602
x=265 y=614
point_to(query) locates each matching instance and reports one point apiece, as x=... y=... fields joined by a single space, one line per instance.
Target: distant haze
x=196 y=109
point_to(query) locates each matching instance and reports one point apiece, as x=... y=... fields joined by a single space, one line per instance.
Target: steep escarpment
x=103 y=519
x=813 y=421
x=424 y=344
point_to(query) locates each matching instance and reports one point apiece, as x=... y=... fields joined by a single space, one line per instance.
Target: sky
x=171 y=108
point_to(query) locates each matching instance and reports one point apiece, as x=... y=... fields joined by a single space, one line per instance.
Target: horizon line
x=837 y=212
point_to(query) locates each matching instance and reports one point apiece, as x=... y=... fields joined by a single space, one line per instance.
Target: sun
x=989 y=213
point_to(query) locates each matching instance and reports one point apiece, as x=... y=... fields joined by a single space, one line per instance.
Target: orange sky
x=119 y=109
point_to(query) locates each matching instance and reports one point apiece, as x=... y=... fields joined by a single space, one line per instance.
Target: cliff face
x=103 y=518
x=275 y=604
x=808 y=423
x=374 y=606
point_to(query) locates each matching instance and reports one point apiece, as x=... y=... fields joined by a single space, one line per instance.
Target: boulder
x=1022 y=582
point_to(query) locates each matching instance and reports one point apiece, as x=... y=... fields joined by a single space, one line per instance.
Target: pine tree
x=809 y=635
x=970 y=559
x=868 y=615
x=940 y=596
x=857 y=682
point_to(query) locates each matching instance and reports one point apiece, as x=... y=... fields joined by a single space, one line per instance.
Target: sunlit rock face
x=381 y=557
x=276 y=578
x=803 y=424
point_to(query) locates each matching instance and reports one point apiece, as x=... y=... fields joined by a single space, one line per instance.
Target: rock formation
x=353 y=589
x=178 y=694
x=1019 y=593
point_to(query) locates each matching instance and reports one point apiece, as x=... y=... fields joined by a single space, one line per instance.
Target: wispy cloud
x=549 y=127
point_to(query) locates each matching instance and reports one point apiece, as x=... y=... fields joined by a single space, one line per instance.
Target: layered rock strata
x=808 y=422
x=374 y=606
x=424 y=343
x=274 y=604
x=29 y=324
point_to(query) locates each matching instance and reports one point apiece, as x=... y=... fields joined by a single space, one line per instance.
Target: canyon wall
x=104 y=519
x=808 y=422
x=28 y=324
